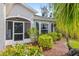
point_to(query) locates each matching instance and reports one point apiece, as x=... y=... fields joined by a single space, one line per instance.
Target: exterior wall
x=40 y=22
x=2 y=27
x=19 y=11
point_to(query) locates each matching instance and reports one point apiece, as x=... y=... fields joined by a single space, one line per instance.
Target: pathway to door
x=59 y=49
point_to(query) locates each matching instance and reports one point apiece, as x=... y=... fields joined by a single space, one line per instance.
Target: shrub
x=17 y=50
x=34 y=51
x=74 y=43
x=22 y=50
x=45 y=41
x=33 y=33
x=53 y=35
x=59 y=35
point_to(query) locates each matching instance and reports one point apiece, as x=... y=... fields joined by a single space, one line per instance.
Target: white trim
x=23 y=31
x=13 y=31
x=39 y=27
x=19 y=17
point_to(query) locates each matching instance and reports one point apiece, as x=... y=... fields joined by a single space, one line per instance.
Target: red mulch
x=59 y=49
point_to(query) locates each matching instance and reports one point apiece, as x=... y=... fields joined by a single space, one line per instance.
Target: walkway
x=59 y=49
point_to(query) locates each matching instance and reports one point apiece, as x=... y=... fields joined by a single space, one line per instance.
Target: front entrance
x=18 y=31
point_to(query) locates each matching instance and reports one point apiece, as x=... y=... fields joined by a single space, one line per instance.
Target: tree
x=67 y=19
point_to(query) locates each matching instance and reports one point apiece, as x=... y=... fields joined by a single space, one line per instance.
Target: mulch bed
x=59 y=49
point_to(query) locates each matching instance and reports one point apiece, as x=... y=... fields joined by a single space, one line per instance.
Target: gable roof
x=10 y=6
x=29 y=7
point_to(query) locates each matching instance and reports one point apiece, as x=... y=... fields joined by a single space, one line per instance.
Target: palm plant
x=67 y=19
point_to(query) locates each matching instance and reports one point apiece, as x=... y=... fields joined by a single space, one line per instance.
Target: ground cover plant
x=22 y=50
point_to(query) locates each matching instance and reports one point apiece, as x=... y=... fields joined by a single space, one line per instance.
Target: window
x=18 y=37
x=51 y=27
x=18 y=31
x=27 y=27
x=37 y=27
x=44 y=28
x=9 y=30
x=18 y=28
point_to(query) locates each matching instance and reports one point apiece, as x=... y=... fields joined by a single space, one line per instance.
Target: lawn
x=74 y=43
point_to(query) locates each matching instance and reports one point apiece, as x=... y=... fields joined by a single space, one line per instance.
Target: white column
x=49 y=27
x=23 y=30
x=39 y=27
x=2 y=26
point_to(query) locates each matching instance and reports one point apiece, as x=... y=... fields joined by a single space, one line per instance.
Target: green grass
x=74 y=43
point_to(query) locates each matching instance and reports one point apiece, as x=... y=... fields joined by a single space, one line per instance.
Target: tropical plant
x=33 y=33
x=67 y=19
x=45 y=41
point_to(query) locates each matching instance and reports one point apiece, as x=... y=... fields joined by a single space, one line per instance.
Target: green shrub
x=17 y=50
x=74 y=43
x=34 y=51
x=33 y=33
x=45 y=41
x=53 y=35
x=59 y=35
x=22 y=50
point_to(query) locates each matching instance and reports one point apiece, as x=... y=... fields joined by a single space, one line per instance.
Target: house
x=16 y=19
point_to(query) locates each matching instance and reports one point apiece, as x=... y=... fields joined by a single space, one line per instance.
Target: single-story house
x=16 y=19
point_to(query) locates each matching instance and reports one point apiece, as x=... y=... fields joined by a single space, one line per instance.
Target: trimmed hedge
x=45 y=41
x=55 y=36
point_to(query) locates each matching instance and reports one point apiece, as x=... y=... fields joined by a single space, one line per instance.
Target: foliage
x=33 y=33
x=67 y=18
x=45 y=41
x=55 y=36
x=17 y=50
x=34 y=51
x=74 y=43
x=59 y=35
x=22 y=50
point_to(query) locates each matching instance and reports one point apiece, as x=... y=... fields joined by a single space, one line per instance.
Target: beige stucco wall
x=2 y=27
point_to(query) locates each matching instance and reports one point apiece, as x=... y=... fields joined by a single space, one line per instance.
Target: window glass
x=9 y=30
x=44 y=28
x=18 y=37
x=18 y=28
x=27 y=27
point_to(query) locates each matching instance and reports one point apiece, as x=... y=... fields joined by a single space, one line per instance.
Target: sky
x=37 y=6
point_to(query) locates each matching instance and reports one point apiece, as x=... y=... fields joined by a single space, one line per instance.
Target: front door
x=18 y=31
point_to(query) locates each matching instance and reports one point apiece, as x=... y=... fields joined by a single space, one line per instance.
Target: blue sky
x=37 y=6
